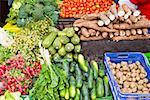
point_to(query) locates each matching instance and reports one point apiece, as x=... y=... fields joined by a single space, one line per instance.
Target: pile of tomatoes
x=72 y=8
x=16 y=76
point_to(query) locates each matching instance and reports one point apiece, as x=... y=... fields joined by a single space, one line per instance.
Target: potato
x=145 y=80
x=142 y=76
x=140 y=92
x=138 y=71
x=123 y=63
x=145 y=89
x=134 y=90
x=113 y=71
x=137 y=63
x=126 y=84
x=133 y=79
x=120 y=82
x=148 y=85
x=124 y=78
x=140 y=87
x=125 y=72
x=132 y=85
x=118 y=66
x=114 y=65
x=134 y=74
x=120 y=86
x=125 y=68
x=137 y=78
x=141 y=82
x=145 y=92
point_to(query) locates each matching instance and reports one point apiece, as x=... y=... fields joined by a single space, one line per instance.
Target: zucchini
x=57 y=44
x=64 y=39
x=78 y=77
x=62 y=51
x=52 y=50
x=99 y=88
x=77 y=97
x=61 y=33
x=77 y=48
x=95 y=68
x=93 y=92
x=101 y=72
x=49 y=39
x=82 y=63
x=90 y=79
x=85 y=92
x=75 y=56
x=106 y=86
x=75 y=39
x=69 y=47
x=68 y=56
x=66 y=67
x=72 y=88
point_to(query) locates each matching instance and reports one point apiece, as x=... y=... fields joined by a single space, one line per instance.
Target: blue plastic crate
x=130 y=57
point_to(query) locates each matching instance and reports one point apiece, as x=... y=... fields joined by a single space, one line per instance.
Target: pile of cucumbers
x=62 y=44
x=86 y=80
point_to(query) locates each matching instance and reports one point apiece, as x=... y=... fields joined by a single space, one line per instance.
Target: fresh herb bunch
x=26 y=41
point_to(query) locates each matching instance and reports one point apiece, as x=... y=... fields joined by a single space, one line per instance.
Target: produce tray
x=130 y=57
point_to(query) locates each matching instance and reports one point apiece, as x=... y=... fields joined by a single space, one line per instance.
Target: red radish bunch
x=16 y=76
x=72 y=8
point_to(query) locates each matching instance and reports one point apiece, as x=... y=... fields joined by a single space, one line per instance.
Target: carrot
x=128 y=21
x=128 y=33
x=92 y=32
x=97 y=33
x=133 y=19
x=133 y=31
x=145 y=31
x=93 y=25
x=104 y=18
x=100 y=23
x=111 y=35
x=110 y=15
x=85 y=32
x=139 y=31
x=104 y=34
x=90 y=38
x=122 y=33
x=121 y=12
x=135 y=37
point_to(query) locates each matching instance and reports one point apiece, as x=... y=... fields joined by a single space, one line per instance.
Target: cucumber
x=77 y=49
x=57 y=44
x=90 y=79
x=52 y=50
x=67 y=94
x=69 y=47
x=106 y=85
x=85 y=92
x=75 y=39
x=78 y=76
x=77 y=97
x=101 y=72
x=82 y=63
x=95 y=68
x=99 y=88
x=72 y=88
x=63 y=92
x=62 y=51
x=49 y=39
x=64 y=39
x=66 y=67
x=93 y=92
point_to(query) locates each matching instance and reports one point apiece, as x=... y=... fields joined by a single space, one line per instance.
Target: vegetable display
x=62 y=44
x=116 y=24
x=24 y=11
x=131 y=78
x=16 y=76
x=81 y=7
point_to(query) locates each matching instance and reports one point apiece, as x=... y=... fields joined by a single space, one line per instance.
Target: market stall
x=63 y=50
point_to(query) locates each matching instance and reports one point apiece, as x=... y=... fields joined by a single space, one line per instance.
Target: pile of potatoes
x=131 y=78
